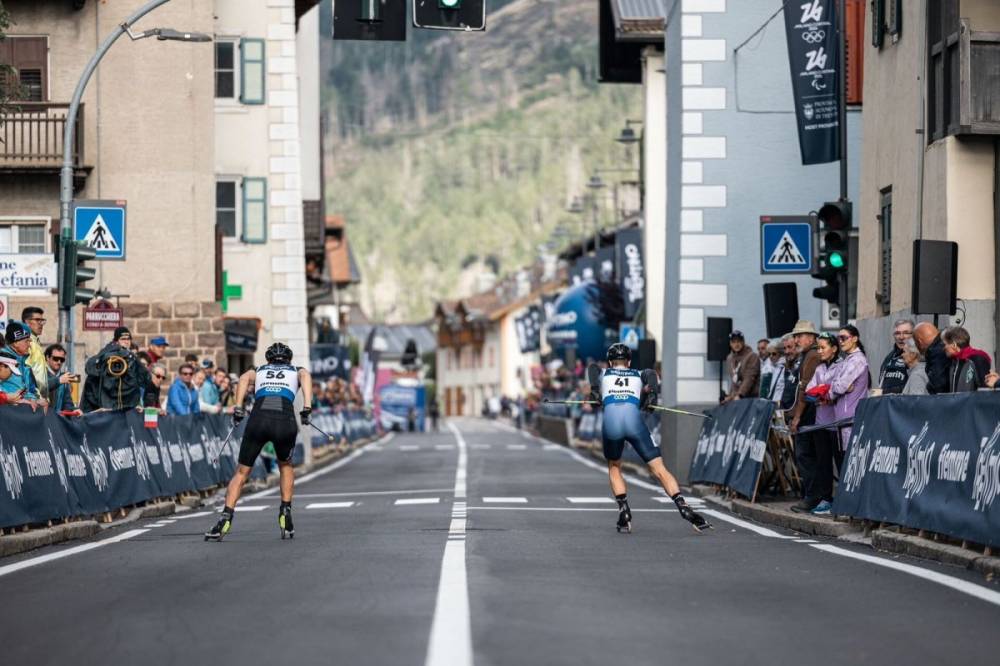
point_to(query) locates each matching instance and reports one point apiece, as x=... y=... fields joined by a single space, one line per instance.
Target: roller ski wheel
x=624 y=521
x=697 y=521
x=219 y=530
x=285 y=523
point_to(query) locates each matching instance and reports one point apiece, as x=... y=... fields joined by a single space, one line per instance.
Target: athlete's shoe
x=625 y=519
x=822 y=509
x=696 y=520
x=220 y=529
x=285 y=522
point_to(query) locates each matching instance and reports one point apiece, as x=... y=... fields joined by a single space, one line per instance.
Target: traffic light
x=833 y=256
x=76 y=272
x=465 y=15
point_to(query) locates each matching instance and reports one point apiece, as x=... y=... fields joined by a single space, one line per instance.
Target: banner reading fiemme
x=731 y=447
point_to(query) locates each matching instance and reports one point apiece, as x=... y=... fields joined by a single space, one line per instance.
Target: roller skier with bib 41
x=624 y=393
x=271 y=420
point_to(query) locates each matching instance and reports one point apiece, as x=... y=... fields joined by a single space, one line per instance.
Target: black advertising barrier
x=731 y=446
x=813 y=56
x=53 y=467
x=926 y=462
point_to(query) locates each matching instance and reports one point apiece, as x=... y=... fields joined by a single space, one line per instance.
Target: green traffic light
x=449 y=4
x=836 y=260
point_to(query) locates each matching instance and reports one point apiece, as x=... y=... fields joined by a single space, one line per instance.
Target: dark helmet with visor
x=279 y=352
x=619 y=352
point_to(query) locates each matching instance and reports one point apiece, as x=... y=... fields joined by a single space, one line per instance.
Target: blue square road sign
x=101 y=225
x=786 y=245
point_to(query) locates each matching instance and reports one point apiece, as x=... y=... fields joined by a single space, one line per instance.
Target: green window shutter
x=254 y=210
x=252 y=71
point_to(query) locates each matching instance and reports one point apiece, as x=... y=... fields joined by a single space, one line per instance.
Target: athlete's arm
x=306 y=383
x=247 y=378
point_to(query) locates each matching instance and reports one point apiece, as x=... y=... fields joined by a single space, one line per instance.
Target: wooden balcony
x=31 y=139
x=964 y=84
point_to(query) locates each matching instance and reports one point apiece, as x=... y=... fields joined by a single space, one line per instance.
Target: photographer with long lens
x=115 y=378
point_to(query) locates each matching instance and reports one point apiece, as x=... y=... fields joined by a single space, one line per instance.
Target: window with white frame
x=240 y=69
x=24 y=235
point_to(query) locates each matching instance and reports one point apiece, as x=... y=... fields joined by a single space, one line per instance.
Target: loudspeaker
x=644 y=357
x=781 y=308
x=719 y=329
x=935 y=277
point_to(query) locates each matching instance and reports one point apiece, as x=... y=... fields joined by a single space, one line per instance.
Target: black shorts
x=278 y=428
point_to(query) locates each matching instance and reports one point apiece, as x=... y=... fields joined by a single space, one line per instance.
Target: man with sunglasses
x=34 y=318
x=151 y=396
x=60 y=394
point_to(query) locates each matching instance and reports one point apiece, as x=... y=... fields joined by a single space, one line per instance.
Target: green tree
x=8 y=77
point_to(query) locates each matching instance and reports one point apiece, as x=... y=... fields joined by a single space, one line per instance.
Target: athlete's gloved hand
x=304 y=415
x=239 y=414
x=594 y=396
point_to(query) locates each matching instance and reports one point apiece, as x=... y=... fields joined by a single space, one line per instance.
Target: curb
x=15 y=544
x=908 y=544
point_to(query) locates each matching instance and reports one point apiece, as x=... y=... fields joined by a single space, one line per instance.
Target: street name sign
x=102 y=316
x=27 y=272
x=786 y=244
x=100 y=224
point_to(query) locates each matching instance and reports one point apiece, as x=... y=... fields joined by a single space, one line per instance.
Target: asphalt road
x=481 y=545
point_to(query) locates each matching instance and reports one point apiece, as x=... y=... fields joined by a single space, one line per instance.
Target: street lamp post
x=65 y=332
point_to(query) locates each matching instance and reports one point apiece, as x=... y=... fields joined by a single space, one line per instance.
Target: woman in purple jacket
x=819 y=484
x=850 y=384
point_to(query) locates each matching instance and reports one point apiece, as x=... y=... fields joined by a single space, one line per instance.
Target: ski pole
x=570 y=402
x=680 y=411
x=325 y=434
x=225 y=444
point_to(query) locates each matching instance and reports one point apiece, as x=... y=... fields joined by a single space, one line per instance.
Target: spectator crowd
x=817 y=379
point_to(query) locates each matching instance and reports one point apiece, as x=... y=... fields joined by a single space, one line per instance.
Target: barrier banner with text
x=731 y=446
x=926 y=462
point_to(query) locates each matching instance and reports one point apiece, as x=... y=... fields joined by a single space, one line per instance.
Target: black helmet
x=619 y=352
x=279 y=352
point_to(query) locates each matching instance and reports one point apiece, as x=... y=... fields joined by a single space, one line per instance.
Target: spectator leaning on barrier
x=792 y=357
x=151 y=396
x=893 y=373
x=817 y=450
x=925 y=334
x=744 y=369
x=209 y=395
x=850 y=384
x=34 y=319
x=969 y=366
x=11 y=387
x=183 y=396
x=60 y=394
x=916 y=378
x=18 y=339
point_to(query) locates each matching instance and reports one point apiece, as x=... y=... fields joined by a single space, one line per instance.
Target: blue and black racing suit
x=621 y=391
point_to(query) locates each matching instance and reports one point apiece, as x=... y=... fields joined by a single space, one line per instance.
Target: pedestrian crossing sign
x=101 y=225
x=786 y=244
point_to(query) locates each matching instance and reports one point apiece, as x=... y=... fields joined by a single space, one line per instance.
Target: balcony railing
x=31 y=136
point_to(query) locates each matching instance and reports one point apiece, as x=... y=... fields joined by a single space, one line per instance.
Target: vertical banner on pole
x=814 y=59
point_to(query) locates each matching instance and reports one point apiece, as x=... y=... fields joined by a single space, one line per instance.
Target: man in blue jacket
x=183 y=396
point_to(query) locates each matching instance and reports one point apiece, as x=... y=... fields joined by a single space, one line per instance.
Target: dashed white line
x=330 y=505
x=505 y=500
x=408 y=447
x=241 y=507
x=480 y=447
x=444 y=447
x=417 y=500
x=375 y=492
x=590 y=500
x=450 y=641
x=517 y=447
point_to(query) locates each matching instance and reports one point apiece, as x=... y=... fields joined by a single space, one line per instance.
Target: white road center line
x=330 y=505
x=451 y=631
x=590 y=500
x=562 y=508
x=505 y=500
x=241 y=507
x=763 y=531
x=417 y=500
x=24 y=564
x=480 y=447
x=517 y=447
x=375 y=492
x=185 y=516
x=444 y=447
x=964 y=586
x=408 y=447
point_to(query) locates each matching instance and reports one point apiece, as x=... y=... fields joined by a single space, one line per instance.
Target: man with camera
x=60 y=393
x=115 y=378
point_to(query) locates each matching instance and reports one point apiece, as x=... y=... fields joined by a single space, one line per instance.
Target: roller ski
x=697 y=521
x=624 y=517
x=285 y=521
x=221 y=528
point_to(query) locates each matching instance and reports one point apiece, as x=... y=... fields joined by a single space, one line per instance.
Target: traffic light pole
x=65 y=332
x=842 y=124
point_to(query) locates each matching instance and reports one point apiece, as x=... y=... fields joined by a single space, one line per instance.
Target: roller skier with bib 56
x=271 y=420
x=624 y=393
